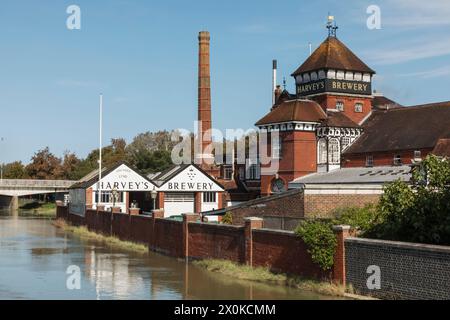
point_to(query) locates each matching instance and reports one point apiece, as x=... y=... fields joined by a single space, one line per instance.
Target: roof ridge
x=418 y=106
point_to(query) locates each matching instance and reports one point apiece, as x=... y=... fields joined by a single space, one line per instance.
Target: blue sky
x=142 y=55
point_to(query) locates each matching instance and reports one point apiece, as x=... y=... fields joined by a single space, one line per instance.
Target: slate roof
x=160 y=178
x=375 y=175
x=406 y=128
x=333 y=54
x=294 y=110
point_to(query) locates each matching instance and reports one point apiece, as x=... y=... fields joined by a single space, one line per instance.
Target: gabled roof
x=338 y=119
x=333 y=54
x=294 y=110
x=165 y=176
x=407 y=128
x=380 y=102
x=91 y=178
x=162 y=177
x=442 y=148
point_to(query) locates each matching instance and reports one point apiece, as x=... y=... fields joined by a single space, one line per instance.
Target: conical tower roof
x=333 y=54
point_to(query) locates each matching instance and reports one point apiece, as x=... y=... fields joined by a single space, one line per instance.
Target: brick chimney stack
x=204 y=93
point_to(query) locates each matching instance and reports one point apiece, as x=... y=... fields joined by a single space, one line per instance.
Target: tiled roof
x=407 y=128
x=442 y=148
x=380 y=102
x=338 y=119
x=294 y=110
x=333 y=54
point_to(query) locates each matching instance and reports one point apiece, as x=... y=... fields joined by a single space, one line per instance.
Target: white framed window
x=340 y=105
x=252 y=170
x=417 y=154
x=358 y=107
x=346 y=141
x=209 y=197
x=397 y=160
x=322 y=151
x=108 y=198
x=227 y=172
x=334 y=154
x=277 y=148
x=369 y=161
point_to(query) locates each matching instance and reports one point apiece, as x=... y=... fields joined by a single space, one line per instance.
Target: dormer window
x=340 y=105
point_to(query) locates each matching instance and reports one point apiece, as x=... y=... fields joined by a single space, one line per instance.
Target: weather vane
x=331 y=26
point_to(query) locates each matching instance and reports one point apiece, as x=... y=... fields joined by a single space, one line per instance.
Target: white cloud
x=406 y=51
x=415 y=13
x=433 y=73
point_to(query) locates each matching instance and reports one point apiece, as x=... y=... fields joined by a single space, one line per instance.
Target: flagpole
x=100 y=151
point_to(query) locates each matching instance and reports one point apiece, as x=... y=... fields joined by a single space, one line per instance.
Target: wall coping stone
x=253 y=219
x=218 y=226
x=401 y=245
x=274 y=231
x=341 y=228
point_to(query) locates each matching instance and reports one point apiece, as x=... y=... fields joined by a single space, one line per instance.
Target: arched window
x=345 y=142
x=322 y=151
x=334 y=154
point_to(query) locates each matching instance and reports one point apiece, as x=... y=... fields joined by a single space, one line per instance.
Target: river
x=35 y=256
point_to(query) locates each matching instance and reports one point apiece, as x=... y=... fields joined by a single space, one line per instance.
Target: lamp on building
x=154 y=194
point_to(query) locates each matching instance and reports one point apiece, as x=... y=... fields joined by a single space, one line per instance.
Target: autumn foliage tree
x=45 y=166
x=14 y=170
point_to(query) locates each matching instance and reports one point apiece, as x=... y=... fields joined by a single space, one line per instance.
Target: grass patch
x=264 y=275
x=108 y=241
x=44 y=209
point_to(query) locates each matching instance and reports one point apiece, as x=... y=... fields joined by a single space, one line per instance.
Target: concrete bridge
x=12 y=189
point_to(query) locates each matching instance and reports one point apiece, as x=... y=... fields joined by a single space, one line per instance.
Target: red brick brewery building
x=335 y=120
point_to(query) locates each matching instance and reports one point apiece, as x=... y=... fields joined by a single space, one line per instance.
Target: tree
x=420 y=212
x=14 y=170
x=69 y=166
x=151 y=152
x=45 y=166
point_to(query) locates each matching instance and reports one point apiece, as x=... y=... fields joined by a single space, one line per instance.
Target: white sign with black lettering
x=191 y=179
x=124 y=179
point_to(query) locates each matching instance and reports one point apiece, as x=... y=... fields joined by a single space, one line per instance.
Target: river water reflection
x=34 y=257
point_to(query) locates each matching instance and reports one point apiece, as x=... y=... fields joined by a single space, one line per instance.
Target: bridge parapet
x=28 y=183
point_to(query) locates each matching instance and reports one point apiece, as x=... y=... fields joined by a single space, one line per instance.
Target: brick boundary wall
x=280 y=251
x=210 y=241
x=295 y=204
x=323 y=205
x=408 y=270
x=283 y=251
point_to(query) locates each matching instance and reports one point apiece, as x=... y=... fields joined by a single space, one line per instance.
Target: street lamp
x=115 y=196
x=154 y=194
